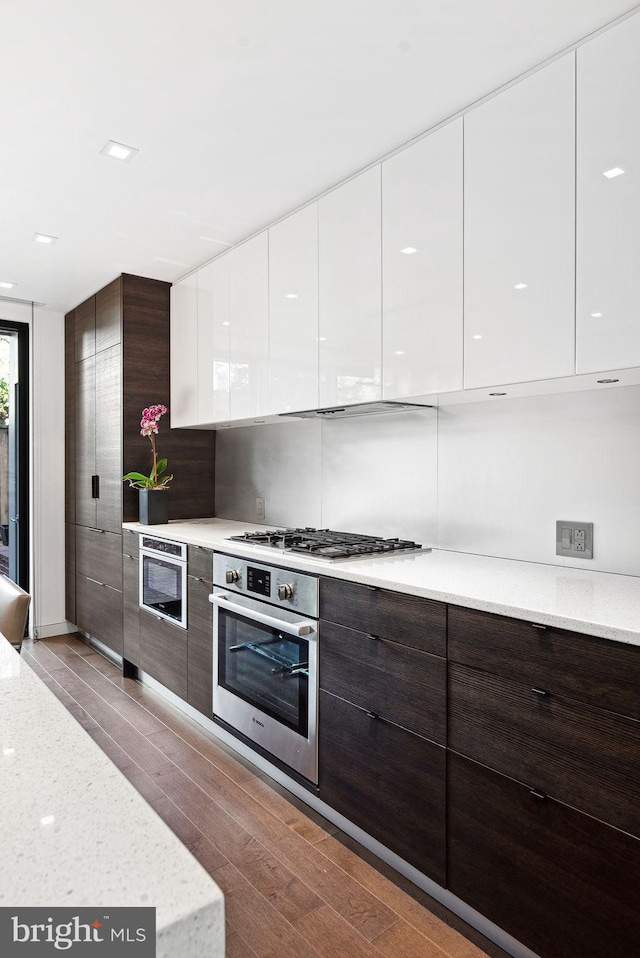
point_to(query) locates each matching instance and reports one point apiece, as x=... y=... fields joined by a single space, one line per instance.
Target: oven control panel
x=281 y=587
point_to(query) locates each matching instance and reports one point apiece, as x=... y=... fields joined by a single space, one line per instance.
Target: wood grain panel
x=200 y=562
x=560 y=882
x=130 y=609
x=388 y=781
x=99 y=556
x=109 y=316
x=108 y=439
x=70 y=417
x=70 y=572
x=99 y=611
x=85 y=329
x=585 y=757
x=130 y=543
x=410 y=620
x=85 y=441
x=200 y=644
x=591 y=670
x=398 y=683
x=163 y=652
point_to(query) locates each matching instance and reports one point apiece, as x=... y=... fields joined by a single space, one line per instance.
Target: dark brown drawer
x=200 y=562
x=592 y=670
x=163 y=652
x=130 y=543
x=386 y=780
x=99 y=556
x=408 y=619
x=582 y=756
x=560 y=882
x=131 y=609
x=394 y=681
x=200 y=646
x=99 y=612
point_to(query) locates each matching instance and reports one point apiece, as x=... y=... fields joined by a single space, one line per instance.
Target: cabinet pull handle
x=371 y=588
x=373 y=715
x=537 y=625
x=536 y=793
x=95 y=487
x=95 y=581
x=375 y=638
x=542 y=693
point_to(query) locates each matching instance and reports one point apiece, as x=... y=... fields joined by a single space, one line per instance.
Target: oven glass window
x=162 y=586
x=265 y=667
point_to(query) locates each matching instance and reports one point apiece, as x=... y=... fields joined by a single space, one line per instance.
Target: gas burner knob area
x=285 y=591
x=231 y=576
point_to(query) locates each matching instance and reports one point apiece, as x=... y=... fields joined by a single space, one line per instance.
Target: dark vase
x=153 y=506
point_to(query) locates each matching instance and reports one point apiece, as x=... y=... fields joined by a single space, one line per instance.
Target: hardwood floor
x=294 y=885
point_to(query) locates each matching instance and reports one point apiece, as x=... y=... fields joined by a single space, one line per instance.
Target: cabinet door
x=388 y=781
x=293 y=312
x=99 y=555
x=213 y=341
x=109 y=439
x=163 y=652
x=85 y=441
x=85 y=329
x=422 y=266
x=249 y=328
x=200 y=647
x=184 y=352
x=350 y=291
x=130 y=609
x=608 y=199
x=560 y=882
x=99 y=611
x=109 y=316
x=519 y=231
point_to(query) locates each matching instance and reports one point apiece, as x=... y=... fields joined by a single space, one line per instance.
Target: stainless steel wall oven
x=163 y=579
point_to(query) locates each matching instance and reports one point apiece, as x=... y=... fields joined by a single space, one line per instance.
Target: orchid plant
x=157 y=478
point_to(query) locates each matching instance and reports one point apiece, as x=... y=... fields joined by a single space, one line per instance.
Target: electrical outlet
x=260 y=513
x=574 y=539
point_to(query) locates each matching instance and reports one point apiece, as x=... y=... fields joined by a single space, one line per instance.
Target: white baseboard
x=57 y=628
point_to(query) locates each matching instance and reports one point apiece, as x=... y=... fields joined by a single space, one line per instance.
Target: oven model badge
x=257 y=721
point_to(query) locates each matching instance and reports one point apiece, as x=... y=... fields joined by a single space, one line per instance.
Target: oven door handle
x=291 y=628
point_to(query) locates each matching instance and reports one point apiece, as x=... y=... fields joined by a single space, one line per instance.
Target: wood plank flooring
x=294 y=885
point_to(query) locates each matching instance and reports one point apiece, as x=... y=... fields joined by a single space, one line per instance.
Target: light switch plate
x=574 y=539
x=260 y=509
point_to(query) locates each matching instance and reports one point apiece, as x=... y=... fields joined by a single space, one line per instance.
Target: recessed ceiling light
x=608 y=380
x=478 y=336
x=408 y=250
x=614 y=171
x=119 y=151
x=399 y=352
x=596 y=315
x=322 y=339
x=44 y=239
x=497 y=394
x=520 y=286
x=7 y=285
x=226 y=323
x=291 y=296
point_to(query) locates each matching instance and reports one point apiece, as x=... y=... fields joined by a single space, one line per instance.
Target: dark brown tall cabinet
x=117 y=362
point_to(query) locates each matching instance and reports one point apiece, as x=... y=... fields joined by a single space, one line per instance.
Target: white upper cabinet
x=422 y=266
x=293 y=312
x=519 y=231
x=350 y=331
x=608 y=200
x=213 y=341
x=249 y=328
x=184 y=352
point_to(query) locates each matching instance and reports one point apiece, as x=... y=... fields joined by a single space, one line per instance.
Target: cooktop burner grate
x=325 y=543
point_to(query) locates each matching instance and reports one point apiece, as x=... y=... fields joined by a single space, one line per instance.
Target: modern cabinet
x=184 y=352
x=349 y=269
x=422 y=249
x=163 y=652
x=130 y=598
x=249 y=328
x=200 y=630
x=608 y=199
x=212 y=363
x=293 y=312
x=519 y=227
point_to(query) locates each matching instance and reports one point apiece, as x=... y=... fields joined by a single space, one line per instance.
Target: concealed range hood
x=357 y=409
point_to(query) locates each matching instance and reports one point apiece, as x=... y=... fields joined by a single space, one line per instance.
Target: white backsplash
x=489 y=478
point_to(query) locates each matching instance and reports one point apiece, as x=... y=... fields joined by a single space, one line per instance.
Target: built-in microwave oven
x=163 y=579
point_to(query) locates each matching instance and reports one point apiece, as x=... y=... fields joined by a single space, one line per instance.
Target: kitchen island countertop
x=76 y=833
x=596 y=603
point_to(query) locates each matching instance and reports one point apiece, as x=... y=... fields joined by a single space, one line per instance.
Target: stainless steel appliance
x=265 y=658
x=325 y=543
x=163 y=579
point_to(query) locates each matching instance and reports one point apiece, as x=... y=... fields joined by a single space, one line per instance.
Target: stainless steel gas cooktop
x=325 y=543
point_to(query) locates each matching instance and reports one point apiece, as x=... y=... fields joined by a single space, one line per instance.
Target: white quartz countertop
x=597 y=603
x=76 y=833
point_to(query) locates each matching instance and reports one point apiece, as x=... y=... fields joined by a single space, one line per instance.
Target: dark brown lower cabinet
x=385 y=779
x=562 y=883
x=130 y=608
x=200 y=644
x=99 y=611
x=163 y=652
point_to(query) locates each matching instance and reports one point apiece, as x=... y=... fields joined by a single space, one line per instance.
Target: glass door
x=14 y=452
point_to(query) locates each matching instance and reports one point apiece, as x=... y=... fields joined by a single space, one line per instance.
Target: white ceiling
x=241 y=109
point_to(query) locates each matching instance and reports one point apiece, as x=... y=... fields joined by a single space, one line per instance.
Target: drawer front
x=585 y=757
x=200 y=646
x=99 y=612
x=99 y=555
x=131 y=609
x=410 y=620
x=130 y=543
x=396 y=682
x=200 y=562
x=560 y=882
x=595 y=671
x=163 y=652
x=386 y=780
